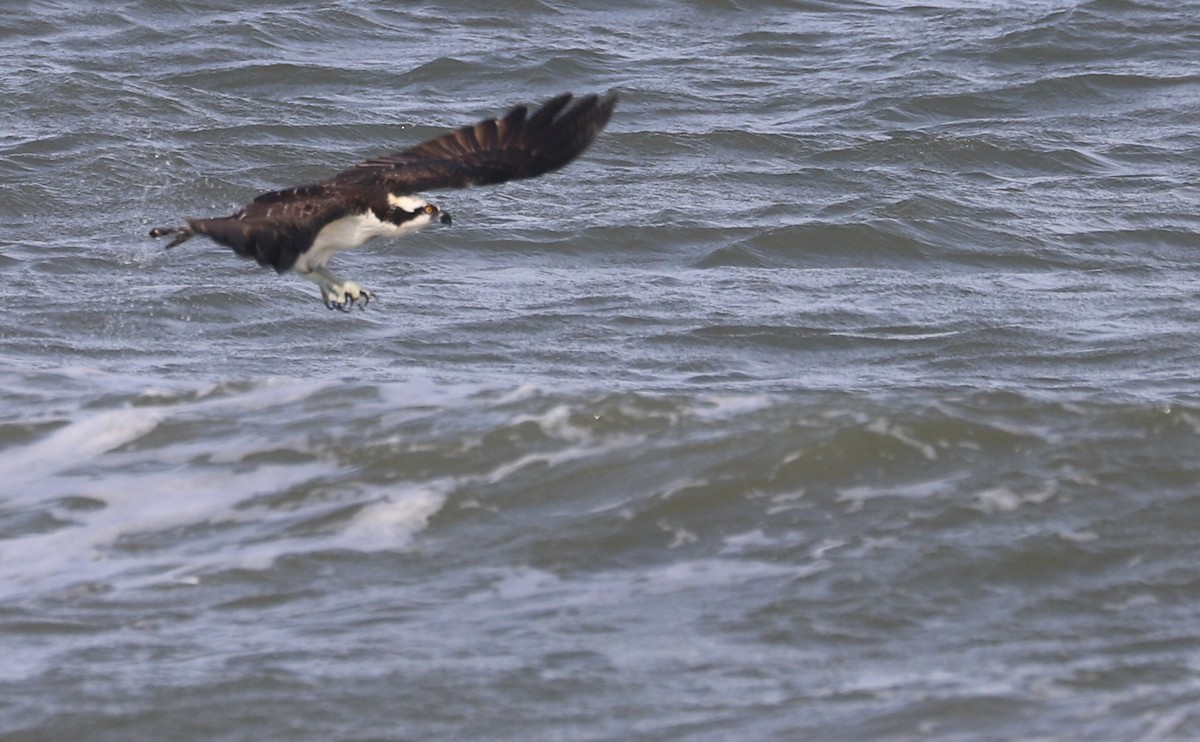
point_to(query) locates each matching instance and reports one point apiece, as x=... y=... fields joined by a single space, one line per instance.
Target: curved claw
x=345 y=305
x=339 y=298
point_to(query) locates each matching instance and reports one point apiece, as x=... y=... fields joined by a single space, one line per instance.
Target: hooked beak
x=445 y=218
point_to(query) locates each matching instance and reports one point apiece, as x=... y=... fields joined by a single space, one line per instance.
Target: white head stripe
x=408 y=203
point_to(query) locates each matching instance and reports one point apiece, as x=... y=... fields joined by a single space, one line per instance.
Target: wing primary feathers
x=550 y=109
x=487 y=134
x=518 y=145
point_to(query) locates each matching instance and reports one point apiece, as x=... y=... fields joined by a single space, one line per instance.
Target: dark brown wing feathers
x=279 y=226
x=516 y=146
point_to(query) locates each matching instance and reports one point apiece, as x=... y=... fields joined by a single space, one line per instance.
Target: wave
x=172 y=484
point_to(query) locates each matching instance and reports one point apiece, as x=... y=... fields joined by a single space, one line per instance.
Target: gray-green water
x=845 y=389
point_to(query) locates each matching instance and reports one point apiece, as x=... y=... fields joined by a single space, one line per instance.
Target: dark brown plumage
x=278 y=228
x=491 y=151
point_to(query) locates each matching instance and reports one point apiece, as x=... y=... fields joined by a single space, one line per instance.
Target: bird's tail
x=182 y=234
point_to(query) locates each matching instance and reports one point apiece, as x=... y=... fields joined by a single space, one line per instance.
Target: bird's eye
x=429 y=208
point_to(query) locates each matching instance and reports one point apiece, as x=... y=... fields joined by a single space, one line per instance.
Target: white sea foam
x=391 y=522
x=71 y=446
x=1004 y=500
x=88 y=548
x=902 y=434
x=211 y=491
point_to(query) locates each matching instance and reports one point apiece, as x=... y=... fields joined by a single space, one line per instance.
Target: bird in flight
x=301 y=228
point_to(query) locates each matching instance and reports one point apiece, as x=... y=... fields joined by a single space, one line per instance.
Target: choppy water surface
x=846 y=388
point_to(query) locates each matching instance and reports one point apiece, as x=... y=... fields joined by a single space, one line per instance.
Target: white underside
x=350 y=232
x=344 y=234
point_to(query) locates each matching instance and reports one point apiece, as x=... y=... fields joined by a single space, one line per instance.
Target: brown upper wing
x=519 y=145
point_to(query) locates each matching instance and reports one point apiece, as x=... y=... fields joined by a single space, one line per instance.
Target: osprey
x=301 y=228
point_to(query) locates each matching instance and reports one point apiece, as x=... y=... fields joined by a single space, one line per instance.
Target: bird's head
x=411 y=212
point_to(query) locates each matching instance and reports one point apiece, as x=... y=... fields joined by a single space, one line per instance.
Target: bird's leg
x=337 y=292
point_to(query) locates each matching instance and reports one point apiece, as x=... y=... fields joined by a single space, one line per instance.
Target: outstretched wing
x=518 y=145
x=277 y=227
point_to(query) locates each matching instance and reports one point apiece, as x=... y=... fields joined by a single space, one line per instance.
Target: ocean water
x=846 y=388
